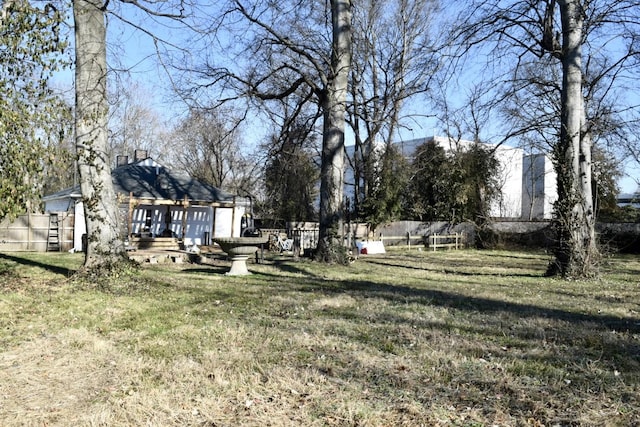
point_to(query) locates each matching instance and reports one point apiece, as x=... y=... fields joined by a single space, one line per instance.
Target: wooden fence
x=30 y=233
x=446 y=241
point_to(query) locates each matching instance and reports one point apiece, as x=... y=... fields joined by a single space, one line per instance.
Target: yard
x=463 y=338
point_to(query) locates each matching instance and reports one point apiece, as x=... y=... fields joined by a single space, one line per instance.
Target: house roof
x=628 y=196
x=67 y=193
x=629 y=199
x=147 y=179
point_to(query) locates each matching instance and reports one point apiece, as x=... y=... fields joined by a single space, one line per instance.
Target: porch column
x=233 y=217
x=213 y=221
x=185 y=209
x=129 y=216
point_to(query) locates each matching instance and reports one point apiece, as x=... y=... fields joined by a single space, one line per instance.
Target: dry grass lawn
x=462 y=338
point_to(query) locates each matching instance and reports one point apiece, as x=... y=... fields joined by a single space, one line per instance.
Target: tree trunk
x=576 y=252
x=330 y=245
x=104 y=243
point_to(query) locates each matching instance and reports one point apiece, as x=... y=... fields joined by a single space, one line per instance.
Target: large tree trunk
x=330 y=245
x=104 y=243
x=577 y=251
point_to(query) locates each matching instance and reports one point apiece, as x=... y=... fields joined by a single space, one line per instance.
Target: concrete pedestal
x=239 y=249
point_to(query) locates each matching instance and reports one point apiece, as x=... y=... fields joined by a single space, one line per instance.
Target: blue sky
x=136 y=52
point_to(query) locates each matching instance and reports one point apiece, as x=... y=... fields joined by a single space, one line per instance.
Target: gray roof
x=67 y=193
x=628 y=197
x=149 y=180
x=160 y=183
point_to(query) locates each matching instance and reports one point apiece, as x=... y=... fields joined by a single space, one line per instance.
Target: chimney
x=139 y=155
x=122 y=161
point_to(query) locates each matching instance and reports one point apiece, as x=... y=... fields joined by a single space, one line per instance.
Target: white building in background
x=509 y=204
x=539 y=187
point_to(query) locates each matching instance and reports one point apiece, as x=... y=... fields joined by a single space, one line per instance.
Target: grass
x=463 y=338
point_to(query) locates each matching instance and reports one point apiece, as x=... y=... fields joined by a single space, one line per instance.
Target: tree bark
x=577 y=251
x=104 y=243
x=330 y=245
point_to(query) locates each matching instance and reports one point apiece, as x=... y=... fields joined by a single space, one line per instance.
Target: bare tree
x=393 y=63
x=134 y=125
x=279 y=48
x=292 y=163
x=207 y=145
x=574 y=36
x=291 y=176
x=104 y=243
x=632 y=148
x=333 y=102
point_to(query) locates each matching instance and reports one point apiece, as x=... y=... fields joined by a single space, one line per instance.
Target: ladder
x=53 y=238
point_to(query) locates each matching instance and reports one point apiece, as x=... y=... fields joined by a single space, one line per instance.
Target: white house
x=158 y=202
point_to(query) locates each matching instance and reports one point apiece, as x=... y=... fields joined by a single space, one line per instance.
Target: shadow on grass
x=296 y=278
x=403 y=294
x=584 y=337
x=33 y=263
x=532 y=349
x=206 y=269
x=389 y=263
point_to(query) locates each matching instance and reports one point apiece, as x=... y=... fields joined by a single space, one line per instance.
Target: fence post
x=29 y=230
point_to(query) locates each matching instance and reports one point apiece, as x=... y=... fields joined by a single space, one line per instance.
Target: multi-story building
x=527 y=183
x=539 y=191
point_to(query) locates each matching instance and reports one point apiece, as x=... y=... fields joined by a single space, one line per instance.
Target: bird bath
x=239 y=249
